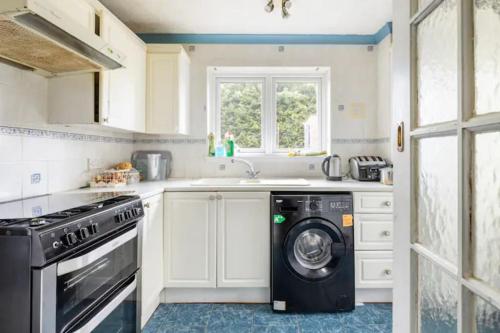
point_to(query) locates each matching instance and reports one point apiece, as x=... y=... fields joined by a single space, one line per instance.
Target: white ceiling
x=249 y=17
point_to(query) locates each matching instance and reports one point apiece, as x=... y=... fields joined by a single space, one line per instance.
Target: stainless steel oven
x=74 y=271
x=80 y=293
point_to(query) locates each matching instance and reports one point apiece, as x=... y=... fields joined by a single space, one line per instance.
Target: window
x=270 y=110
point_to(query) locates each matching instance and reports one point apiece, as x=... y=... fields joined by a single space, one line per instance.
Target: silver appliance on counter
x=73 y=269
x=153 y=165
x=331 y=167
x=366 y=168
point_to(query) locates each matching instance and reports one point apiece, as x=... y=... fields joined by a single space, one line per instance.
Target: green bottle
x=211 y=145
x=229 y=143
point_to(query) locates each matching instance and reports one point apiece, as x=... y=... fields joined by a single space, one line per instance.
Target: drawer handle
x=388 y=203
x=386 y=233
x=147 y=205
x=387 y=272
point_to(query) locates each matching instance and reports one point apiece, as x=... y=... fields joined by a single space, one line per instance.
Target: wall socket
x=222 y=167
x=311 y=167
x=36 y=178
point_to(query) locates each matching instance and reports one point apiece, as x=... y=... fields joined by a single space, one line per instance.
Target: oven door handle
x=77 y=263
x=108 y=309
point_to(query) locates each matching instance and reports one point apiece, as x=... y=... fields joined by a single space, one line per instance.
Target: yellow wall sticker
x=347 y=220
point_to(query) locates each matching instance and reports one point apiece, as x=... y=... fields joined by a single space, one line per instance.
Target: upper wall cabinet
x=167 y=108
x=114 y=98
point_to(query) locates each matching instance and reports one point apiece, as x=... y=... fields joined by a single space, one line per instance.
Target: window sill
x=267 y=157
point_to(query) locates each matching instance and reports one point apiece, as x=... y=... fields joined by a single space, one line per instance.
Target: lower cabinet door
x=152 y=256
x=373 y=269
x=189 y=240
x=243 y=239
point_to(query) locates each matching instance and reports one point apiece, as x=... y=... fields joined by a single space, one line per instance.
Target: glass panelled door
x=453 y=117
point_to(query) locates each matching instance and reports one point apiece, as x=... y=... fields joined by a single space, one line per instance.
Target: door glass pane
x=486 y=208
x=437 y=195
x=241 y=113
x=312 y=248
x=437 y=299
x=487 y=55
x=437 y=65
x=297 y=124
x=487 y=317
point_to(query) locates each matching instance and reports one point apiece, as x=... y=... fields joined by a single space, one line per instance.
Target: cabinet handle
x=147 y=205
x=388 y=203
x=219 y=197
x=386 y=233
x=387 y=272
x=105 y=120
x=211 y=197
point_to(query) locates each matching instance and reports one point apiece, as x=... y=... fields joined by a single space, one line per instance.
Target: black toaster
x=366 y=168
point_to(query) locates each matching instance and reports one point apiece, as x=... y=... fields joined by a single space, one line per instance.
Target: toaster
x=366 y=168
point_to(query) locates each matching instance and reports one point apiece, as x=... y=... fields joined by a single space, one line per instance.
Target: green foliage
x=241 y=105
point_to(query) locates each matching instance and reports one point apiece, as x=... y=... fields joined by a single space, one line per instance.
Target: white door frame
x=406 y=249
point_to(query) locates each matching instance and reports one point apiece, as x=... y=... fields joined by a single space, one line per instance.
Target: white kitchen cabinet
x=189 y=238
x=373 y=231
x=80 y=11
x=243 y=239
x=152 y=256
x=373 y=269
x=167 y=101
x=115 y=98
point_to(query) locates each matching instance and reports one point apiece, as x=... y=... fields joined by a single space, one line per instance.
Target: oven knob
x=83 y=233
x=93 y=229
x=119 y=218
x=137 y=211
x=69 y=239
x=313 y=205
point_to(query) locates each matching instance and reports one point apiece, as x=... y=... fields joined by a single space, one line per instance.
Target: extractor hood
x=36 y=35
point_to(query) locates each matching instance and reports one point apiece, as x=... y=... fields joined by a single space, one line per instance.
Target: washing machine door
x=313 y=249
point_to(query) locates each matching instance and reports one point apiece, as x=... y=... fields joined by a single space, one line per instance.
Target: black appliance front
x=312 y=252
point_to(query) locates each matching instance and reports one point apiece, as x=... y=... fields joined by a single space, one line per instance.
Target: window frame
x=270 y=77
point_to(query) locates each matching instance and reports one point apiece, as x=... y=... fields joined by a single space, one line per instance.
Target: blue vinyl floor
x=257 y=318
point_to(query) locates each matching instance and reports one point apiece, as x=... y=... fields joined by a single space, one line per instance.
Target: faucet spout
x=252 y=173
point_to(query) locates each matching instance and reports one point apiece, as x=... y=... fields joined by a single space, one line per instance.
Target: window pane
x=437 y=65
x=486 y=208
x=437 y=299
x=487 y=55
x=487 y=316
x=241 y=112
x=437 y=195
x=298 y=125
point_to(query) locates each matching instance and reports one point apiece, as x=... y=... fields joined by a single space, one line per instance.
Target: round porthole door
x=313 y=249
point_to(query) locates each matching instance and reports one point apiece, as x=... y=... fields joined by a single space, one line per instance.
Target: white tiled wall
x=31 y=165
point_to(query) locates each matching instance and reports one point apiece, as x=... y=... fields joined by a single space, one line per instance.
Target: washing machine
x=312 y=252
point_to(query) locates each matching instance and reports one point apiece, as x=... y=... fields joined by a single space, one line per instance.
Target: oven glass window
x=80 y=289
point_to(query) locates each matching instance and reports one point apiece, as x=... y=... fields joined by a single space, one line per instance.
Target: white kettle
x=331 y=167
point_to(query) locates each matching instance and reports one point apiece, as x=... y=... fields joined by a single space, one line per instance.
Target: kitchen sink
x=250 y=182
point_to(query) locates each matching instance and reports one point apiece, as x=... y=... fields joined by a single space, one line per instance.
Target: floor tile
x=259 y=318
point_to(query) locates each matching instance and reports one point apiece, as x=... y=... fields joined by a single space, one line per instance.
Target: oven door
x=87 y=278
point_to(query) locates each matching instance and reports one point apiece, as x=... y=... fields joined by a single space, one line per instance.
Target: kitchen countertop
x=148 y=189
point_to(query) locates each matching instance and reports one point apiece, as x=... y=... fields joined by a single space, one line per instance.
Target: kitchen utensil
x=331 y=167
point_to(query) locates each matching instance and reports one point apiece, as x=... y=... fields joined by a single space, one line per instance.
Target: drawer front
x=373 y=231
x=365 y=202
x=374 y=269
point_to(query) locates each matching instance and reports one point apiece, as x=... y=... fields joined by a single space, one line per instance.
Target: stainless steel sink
x=250 y=182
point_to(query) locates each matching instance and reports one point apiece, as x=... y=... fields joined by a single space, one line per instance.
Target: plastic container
x=110 y=178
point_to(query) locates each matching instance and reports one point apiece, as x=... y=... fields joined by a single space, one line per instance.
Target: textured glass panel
x=437 y=195
x=486 y=208
x=437 y=299
x=437 y=65
x=487 y=316
x=487 y=55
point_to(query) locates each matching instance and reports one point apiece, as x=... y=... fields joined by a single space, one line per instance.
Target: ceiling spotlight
x=285 y=5
x=269 y=7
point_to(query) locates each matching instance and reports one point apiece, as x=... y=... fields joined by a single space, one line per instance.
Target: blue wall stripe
x=153 y=38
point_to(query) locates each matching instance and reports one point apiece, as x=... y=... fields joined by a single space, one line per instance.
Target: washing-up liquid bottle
x=211 y=144
x=229 y=143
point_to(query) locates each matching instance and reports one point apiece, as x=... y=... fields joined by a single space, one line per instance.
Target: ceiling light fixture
x=285 y=6
x=269 y=7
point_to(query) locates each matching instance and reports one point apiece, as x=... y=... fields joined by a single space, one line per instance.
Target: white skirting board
x=253 y=295
x=215 y=295
x=374 y=295
x=148 y=310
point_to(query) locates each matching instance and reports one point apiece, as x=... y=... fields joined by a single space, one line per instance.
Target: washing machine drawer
x=373 y=269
